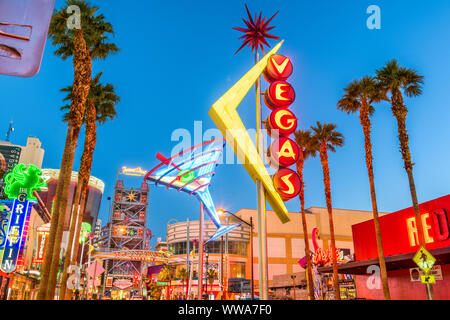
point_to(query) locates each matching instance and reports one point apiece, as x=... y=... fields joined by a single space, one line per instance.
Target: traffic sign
x=428 y=279
x=424 y=259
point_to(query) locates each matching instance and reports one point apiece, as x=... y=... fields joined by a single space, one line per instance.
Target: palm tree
x=211 y=275
x=101 y=104
x=166 y=274
x=154 y=291
x=303 y=139
x=84 y=44
x=325 y=137
x=183 y=275
x=360 y=95
x=394 y=79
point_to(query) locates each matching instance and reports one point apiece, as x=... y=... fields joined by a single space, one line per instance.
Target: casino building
x=95 y=192
x=400 y=243
x=285 y=246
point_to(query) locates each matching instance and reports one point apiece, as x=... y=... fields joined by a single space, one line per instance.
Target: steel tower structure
x=127 y=231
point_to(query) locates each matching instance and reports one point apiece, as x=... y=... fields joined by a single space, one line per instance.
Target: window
x=237 y=270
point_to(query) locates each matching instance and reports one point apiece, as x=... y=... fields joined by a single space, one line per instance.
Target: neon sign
x=20 y=209
x=280 y=94
x=283 y=152
x=324 y=256
x=191 y=172
x=281 y=122
x=42 y=244
x=227 y=119
x=137 y=172
x=20 y=185
x=86 y=229
x=438 y=221
x=287 y=183
x=278 y=68
x=321 y=256
x=24 y=180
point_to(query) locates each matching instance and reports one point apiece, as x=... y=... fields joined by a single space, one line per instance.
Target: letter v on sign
x=226 y=118
x=282 y=66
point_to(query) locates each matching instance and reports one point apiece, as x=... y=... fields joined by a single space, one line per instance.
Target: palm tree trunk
x=326 y=181
x=399 y=110
x=42 y=293
x=83 y=182
x=81 y=85
x=309 y=278
x=365 y=122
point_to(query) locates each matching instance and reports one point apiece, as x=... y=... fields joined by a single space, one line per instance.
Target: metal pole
x=187 y=253
x=251 y=257
x=262 y=228
x=105 y=275
x=191 y=275
x=200 y=262
x=206 y=273
x=227 y=261
x=221 y=268
x=293 y=280
x=79 y=268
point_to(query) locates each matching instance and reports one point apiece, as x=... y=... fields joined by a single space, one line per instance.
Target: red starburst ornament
x=256 y=32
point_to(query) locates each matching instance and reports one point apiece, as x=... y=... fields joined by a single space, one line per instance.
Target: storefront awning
x=400 y=261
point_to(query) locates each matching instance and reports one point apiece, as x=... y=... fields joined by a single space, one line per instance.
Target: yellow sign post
x=424 y=260
x=428 y=279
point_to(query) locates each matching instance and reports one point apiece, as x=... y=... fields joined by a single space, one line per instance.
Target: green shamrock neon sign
x=24 y=180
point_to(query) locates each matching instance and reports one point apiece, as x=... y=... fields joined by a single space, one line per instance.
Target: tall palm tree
x=101 y=107
x=303 y=139
x=360 y=95
x=394 y=79
x=325 y=137
x=84 y=44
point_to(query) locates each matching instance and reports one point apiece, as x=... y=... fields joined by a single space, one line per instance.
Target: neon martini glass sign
x=191 y=171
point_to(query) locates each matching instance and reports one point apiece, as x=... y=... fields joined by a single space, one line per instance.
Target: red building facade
x=400 y=243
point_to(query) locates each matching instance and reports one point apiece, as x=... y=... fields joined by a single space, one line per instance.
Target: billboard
x=23 y=33
x=9 y=158
x=399 y=230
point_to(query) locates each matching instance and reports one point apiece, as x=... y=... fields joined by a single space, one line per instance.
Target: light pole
x=221 y=211
x=200 y=261
x=206 y=270
x=293 y=276
x=221 y=268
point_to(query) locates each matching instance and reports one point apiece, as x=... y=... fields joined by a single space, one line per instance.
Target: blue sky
x=177 y=59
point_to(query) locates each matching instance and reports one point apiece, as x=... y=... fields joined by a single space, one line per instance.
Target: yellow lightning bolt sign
x=226 y=118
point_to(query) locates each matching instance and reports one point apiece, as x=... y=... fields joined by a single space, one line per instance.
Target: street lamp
x=222 y=212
